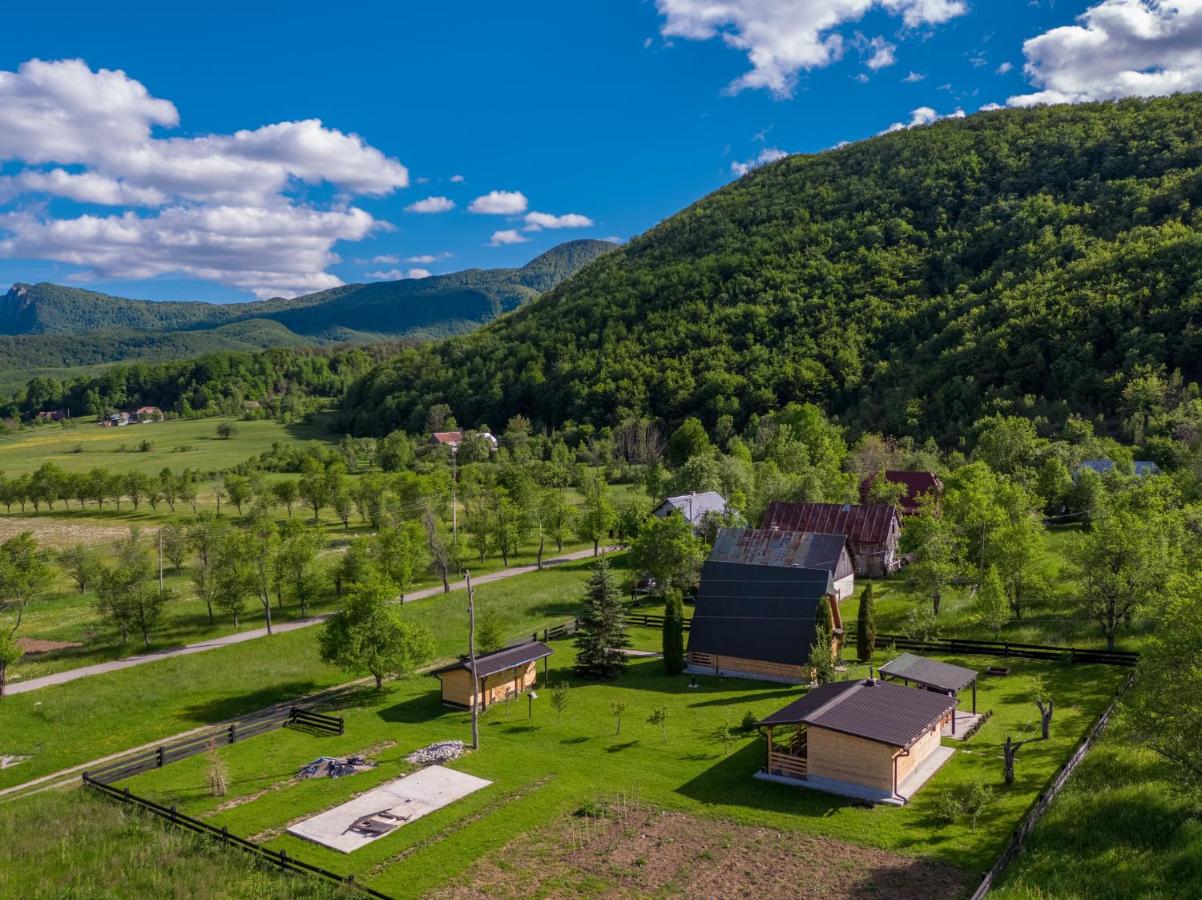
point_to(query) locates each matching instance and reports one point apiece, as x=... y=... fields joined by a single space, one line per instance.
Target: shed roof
x=790 y=549
x=917 y=484
x=508 y=658
x=929 y=672
x=873 y=710
x=693 y=506
x=758 y=612
x=865 y=523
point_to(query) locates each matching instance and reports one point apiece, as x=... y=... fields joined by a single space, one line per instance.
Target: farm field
x=58 y=727
x=177 y=443
x=544 y=770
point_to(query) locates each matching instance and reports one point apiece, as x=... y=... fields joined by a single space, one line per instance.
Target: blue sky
x=261 y=149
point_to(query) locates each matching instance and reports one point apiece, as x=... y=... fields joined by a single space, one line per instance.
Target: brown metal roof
x=509 y=658
x=917 y=484
x=929 y=672
x=873 y=710
x=765 y=547
x=864 y=523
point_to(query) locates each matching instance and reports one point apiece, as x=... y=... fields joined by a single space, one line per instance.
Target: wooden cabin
x=867 y=739
x=872 y=530
x=499 y=676
x=759 y=620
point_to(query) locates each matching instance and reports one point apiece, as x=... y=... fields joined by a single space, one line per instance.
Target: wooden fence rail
x=1008 y=649
x=278 y=858
x=1041 y=803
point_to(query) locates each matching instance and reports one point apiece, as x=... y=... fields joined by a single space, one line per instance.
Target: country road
x=116 y=665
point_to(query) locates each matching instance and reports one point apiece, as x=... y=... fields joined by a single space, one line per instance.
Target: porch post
x=768 y=751
x=974 y=696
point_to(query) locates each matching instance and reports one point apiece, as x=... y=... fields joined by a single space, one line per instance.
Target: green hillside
x=383 y=309
x=1035 y=260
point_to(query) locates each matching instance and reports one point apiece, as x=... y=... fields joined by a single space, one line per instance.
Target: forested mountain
x=441 y=304
x=1039 y=261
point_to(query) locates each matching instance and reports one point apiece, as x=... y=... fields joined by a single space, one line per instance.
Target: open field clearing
x=178 y=443
x=69 y=724
x=544 y=769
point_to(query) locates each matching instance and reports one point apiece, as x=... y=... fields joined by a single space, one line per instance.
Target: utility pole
x=454 y=493
x=471 y=655
x=160 y=559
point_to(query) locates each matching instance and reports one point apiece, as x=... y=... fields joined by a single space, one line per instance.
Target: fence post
x=127 y=800
x=173 y=815
x=233 y=732
x=341 y=725
x=160 y=756
x=283 y=859
x=225 y=834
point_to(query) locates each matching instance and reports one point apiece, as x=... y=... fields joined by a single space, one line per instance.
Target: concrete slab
x=964 y=723
x=733 y=673
x=408 y=798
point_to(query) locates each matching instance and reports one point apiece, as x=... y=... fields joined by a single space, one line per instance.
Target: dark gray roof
x=873 y=710
x=758 y=612
x=790 y=549
x=509 y=658
x=693 y=506
x=929 y=672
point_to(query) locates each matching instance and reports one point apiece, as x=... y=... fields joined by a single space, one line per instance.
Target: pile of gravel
x=443 y=751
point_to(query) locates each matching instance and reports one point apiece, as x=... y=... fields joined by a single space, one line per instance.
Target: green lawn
x=178 y=443
x=58 y=727
x=542 y=769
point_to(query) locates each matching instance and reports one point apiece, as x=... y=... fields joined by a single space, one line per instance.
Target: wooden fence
x=235 y=731
x=278 y=858
x=1041 y=803
x=1007 y=649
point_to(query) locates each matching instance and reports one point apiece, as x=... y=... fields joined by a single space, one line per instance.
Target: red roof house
x=872 y=530
x=917 y=485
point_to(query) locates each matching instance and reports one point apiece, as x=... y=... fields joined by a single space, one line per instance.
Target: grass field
x=543 y=769
x=58 y=727
x=177 y=443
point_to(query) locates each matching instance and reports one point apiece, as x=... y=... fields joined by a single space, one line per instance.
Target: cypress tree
x=674 y=662
x=601 y=637
x=866 y=627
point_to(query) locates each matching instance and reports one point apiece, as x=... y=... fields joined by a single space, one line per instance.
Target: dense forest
x=1032 y=261
x=55 y=326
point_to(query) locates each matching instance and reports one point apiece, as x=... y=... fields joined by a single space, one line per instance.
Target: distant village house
x=917 y=485
x=693 y=507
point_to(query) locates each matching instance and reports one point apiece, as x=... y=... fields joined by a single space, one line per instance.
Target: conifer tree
x=674 y=661
x=866 y=627
x=601 y=637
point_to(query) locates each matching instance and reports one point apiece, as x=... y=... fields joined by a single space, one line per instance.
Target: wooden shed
x=499 y=676
x=867 y=739
x=932 y=675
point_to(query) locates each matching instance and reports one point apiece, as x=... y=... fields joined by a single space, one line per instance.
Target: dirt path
x=116 y=665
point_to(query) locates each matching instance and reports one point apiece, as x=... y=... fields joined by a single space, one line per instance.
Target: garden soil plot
x=644 y=851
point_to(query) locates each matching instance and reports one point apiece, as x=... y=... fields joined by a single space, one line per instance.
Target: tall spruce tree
x=866 y=627
x=601 y=637
x=674 y=661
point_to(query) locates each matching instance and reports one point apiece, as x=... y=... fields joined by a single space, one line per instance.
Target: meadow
x=545 y=767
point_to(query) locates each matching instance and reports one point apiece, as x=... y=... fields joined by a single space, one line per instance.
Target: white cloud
x=767 y=155
x=1118 y=48
x=1004 y=68
x=508 y=236
x=457 y=179
x=224 y=210
x=500 y=203
x=913 y=78
x=398 y=274
x=783 y=37
x=923 y=115
x=270 y=252
x=882 y=54
x=536 y=221
x=431 y=205
x=989 y=107
x=388 y=259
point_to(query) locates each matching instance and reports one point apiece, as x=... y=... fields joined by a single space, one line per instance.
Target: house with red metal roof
x=872 y=530
x=917 y=484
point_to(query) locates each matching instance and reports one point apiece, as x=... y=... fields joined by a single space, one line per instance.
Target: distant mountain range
x=49 y=326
